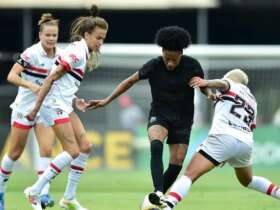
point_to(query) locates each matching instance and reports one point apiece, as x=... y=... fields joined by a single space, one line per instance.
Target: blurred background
x=226 y=34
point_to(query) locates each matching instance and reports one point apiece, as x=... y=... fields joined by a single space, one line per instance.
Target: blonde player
x=57 y=92
x=230 y=138
x=32 y=67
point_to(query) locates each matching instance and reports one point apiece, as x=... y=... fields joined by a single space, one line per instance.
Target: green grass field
x=111 y=190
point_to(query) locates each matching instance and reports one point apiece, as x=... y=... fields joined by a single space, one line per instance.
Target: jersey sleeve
x=70 y=59
x=146 y=70
x=198 y=72
x=27 y=58
x=229 y=82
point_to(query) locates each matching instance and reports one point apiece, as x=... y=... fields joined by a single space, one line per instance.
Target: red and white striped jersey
x=37 y=66
x=236 y=113
x=73 y=59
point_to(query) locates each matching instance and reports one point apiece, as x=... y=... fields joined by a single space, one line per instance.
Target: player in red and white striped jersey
x=55 y=104
x=230 y=138
x=28 y=73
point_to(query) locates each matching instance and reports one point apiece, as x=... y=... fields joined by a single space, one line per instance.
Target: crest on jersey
x=74 y=58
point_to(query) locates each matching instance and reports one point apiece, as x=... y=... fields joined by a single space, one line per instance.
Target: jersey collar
x=43 y=52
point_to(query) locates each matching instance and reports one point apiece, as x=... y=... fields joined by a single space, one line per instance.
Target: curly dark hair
x=173 y=38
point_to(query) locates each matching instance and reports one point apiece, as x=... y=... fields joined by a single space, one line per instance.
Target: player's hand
x=94 y=104
x=198 y=82
x=31 y=116
x=214 y=97
x=81 y=104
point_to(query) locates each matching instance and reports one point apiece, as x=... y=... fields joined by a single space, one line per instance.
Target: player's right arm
x=14 y=78
x=121 y=88
x=55 y=75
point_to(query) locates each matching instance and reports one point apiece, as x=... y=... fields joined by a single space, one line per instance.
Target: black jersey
x=171 y=94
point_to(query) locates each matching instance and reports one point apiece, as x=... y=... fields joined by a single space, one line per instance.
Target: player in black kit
x=172 y=107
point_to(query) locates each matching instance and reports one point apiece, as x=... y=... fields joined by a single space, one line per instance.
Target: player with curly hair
x=172 y=107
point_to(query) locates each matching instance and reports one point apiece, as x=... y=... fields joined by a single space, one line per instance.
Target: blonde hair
x=47 y=19
x=94 y=61
x=237 y=75
x=87 y=24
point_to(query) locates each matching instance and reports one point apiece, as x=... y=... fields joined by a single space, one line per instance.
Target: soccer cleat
x=147 y=205
x=46 y=201
x=158 y=199
x=70 y=204
x=169 y=205
x=33 y=198
x=2 y=201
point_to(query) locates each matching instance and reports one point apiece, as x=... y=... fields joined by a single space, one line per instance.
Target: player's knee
x=177 y=160
x=74 y=152
x=46 y=152
x=85 y=146
x=15 y=153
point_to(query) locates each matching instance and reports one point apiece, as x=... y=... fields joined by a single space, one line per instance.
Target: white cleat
x=33 y=198
x=70 y=204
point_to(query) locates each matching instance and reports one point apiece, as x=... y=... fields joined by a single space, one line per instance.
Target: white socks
x=5 y=171
x=179 y=189
x=44 y=162
x=56 y=166
x=263 y=185
x=76 y=170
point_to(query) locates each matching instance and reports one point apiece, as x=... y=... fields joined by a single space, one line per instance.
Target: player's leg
x=178 y=140
x=157 y=134
x=77 y=165
x=64 y=131
x=213 y=151
x=261 y=184
x=17 y=140
x=45 y=138
x=177 y=155
x=199 y=165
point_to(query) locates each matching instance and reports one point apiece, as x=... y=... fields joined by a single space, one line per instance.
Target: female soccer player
x=172 y=108
x=57 y=92
x=230 y=139
x=32 y=67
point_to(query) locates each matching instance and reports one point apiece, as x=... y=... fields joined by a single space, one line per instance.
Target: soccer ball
x=147 y=205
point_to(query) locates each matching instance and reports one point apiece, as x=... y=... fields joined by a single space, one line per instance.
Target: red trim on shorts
x=55 y=168
x=19 y=125
x=253 y=126
x=40 y=172
x=5 y=172
x=270 y=189
x=62 y=120
x=76 y=168
x=175 y=195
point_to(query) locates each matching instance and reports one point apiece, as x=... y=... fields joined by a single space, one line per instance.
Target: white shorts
x=53 y=116
x=18 y=120
x=225 y=148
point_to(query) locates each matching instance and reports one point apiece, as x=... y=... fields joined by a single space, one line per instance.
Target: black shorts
x=178 y=129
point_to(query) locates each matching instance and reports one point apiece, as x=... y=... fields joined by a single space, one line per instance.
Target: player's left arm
x=220 y=84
